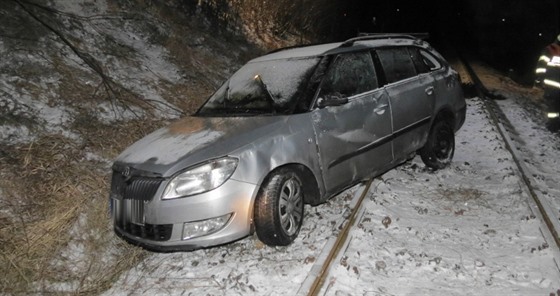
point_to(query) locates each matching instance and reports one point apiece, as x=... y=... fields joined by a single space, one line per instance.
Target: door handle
x=380 y=109
x=430 y=90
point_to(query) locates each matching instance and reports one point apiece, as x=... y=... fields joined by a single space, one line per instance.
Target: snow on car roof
x=317 y=50
x=298 y=52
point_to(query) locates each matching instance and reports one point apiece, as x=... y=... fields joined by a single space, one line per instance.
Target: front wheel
x=438 y=151
x=279 y=208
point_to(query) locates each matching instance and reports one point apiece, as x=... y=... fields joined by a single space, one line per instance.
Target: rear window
x=397 y=63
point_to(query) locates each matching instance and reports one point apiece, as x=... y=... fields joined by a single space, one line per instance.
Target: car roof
x=299 y=52
x=354 y=44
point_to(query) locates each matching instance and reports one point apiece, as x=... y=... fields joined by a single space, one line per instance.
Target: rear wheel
x=438 y=151
x=279 y=208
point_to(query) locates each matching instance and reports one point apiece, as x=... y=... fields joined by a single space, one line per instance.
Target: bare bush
x=120 y=96
x=55 y=231
x=275 y=24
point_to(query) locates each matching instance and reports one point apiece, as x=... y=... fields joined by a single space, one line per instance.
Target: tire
x=279 y=208
x=438 y=151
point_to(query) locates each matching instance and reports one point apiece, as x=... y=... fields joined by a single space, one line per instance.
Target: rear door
x=353 y=139
x=412 y=99
x=444 y=81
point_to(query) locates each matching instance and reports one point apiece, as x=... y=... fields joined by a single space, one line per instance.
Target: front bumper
x=158 y=224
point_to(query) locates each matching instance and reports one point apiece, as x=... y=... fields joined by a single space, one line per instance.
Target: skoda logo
x=126 y=172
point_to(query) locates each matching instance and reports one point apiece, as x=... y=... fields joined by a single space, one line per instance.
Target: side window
x=418 y=59
x=396 y=63
x=430 y=61
x=350 y=74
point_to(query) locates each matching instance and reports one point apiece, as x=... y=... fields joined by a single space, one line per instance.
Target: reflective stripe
x=544 y=58
x=555 y=62
x=552 y=83
x=552 y=115
x=540 y=70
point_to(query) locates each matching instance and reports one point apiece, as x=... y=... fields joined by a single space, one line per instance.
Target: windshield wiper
x=263 y=85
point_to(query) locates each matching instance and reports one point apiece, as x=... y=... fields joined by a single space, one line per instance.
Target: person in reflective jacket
x=548 y=76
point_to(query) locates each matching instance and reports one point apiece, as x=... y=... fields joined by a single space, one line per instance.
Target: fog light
x=552 y=114
x=204 y=227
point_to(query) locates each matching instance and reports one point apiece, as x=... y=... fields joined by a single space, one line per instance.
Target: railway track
x=548 y=215
x=448 y=228
x=540 y=207
x=319 y=272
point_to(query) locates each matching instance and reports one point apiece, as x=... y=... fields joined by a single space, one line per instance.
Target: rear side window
x=431 y=62
x=396 y=63
x=350 y=74
x=419 y=61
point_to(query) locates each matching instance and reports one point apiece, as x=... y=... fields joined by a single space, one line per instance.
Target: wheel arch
x=310 y=196
x=437 y=152
x=311 y=191
x=445 y=114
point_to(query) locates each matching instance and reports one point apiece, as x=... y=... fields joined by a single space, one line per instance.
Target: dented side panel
x=354 y=140
x=293 y=143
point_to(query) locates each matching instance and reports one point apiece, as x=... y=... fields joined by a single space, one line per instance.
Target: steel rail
x=314 y=282
x=320 y=271
x=544 y=209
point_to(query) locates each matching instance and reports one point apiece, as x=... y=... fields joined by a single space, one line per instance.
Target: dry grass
x=494 y=81
x=37 y=178
x=54 y=224
x=55 y=231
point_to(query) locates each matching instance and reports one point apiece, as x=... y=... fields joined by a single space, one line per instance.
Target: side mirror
x=331 y=100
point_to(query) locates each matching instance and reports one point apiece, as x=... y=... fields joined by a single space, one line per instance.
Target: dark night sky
x=508 y=34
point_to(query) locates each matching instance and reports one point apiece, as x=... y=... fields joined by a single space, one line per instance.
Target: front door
x=353 y=139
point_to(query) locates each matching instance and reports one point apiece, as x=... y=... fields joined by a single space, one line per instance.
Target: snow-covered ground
x=80 y=81
x=465 y=230
x=538 y=150
x=469 y=229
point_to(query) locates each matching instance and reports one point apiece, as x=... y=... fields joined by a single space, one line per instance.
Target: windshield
x=265 y=87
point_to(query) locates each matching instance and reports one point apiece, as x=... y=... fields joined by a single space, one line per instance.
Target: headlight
x=202 y=178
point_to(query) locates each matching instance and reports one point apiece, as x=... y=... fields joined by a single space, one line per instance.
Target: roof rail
x=376 y=36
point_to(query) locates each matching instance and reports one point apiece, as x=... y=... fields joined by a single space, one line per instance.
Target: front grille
x=152 y=232
x=141 y=188
x=138 y=188
x=131 y=193
x=128 y=216
x=158 y=233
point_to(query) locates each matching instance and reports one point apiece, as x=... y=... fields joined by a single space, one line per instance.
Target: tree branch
x=109 y=84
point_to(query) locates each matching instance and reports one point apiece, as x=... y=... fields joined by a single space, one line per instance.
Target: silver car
x=295 y=126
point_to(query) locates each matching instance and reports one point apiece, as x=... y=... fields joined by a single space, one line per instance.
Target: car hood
x=195 y=139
